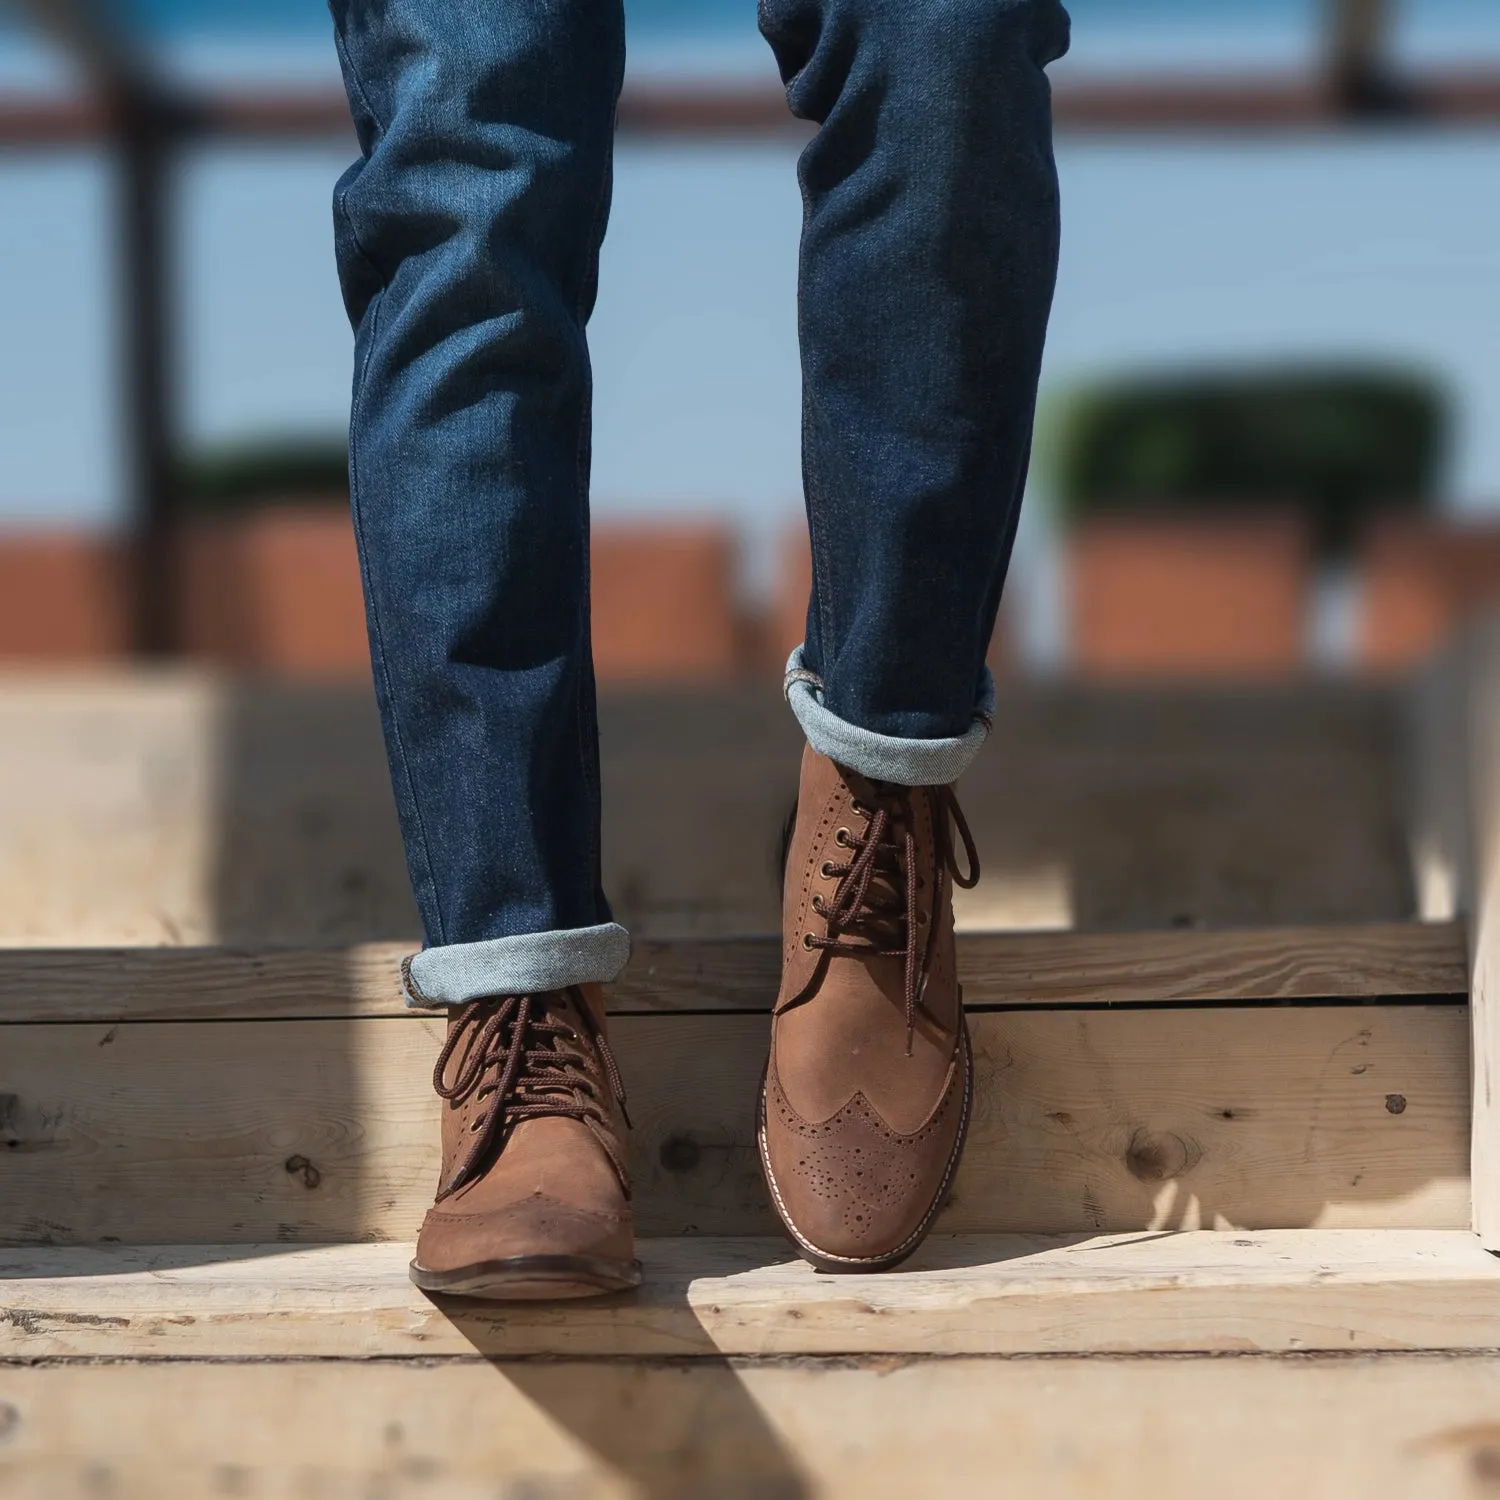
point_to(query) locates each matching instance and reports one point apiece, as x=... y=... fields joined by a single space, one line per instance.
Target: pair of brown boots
x=866 y=1095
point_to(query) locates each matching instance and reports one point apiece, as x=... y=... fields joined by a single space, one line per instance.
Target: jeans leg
x=467 y=236
x=929 y=252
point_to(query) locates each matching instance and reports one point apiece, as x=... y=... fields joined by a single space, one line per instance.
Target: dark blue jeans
x=468 y=236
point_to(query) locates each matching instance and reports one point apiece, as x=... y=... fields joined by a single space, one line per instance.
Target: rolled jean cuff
x=527 y=965
x=885 y=757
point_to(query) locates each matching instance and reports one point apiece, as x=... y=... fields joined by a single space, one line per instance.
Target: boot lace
x=875 y=902
x=520 y=1054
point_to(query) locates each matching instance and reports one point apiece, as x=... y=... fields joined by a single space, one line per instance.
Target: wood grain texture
x=1234 y=1292
x=1135 y=807
x=1469 y=732
x=178 y=808
x=1374 y=1427
x=1454 y=750
x=1085 y=1120
x=1387 y=959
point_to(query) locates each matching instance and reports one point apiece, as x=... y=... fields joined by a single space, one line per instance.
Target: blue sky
x=704 y=15
x=1174 y=252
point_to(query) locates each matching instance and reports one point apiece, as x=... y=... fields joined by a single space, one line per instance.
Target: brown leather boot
x=534 y=1200
x=868 y=1086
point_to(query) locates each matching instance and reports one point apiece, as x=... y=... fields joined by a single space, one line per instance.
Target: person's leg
x=468 y=235
x=928 y=257
x=929 y=253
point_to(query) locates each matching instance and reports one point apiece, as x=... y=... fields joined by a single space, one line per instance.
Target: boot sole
x=838 y=1265
x=532 y=1278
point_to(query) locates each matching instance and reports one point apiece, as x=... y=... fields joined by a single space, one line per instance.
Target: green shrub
x=270 y=471
x=1334 y=443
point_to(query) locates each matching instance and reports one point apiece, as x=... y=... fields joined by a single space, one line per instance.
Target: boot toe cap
x=536 y=1225
x=851 y=1189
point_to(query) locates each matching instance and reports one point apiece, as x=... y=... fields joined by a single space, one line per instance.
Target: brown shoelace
x=512 y=1050
x=886 y=915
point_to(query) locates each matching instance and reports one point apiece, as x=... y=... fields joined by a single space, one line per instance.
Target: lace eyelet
x=826 y=869
x=859 y=810
x=844 y=839
x=817 y=906
x=807 y=940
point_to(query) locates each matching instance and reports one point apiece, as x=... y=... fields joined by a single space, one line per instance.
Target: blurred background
x=1271 y=405
x=1269 y=443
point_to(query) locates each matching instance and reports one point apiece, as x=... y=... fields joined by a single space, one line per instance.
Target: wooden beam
x=1377 y=1427
x=1241 y=104
x=1351 y=961
x=1335 y=1116
x=1454 y=714
x=1272 y=1292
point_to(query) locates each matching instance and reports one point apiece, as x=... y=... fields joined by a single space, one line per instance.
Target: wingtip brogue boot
x=870 y=1079
x=534 y=1200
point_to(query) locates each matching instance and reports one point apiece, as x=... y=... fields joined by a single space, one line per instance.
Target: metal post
x=1361 y=76
x=143 y=120
x=143 y=187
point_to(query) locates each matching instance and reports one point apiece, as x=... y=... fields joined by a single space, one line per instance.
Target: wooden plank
x=1384 y=1427
x=1384 y=959
x=176 y=808
x=1297 y=1290
x=1374 y=1427
x=1478 y=756
x=1086 y=1120
x=1454 y=713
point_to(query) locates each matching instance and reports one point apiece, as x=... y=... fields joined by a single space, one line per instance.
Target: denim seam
x=341 y=46
x=817 y=536
x=376 y=629
x=411 y=991
x=342 y=201
x=596 y=236
x=372 y=313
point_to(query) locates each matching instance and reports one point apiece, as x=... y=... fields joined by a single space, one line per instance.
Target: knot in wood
x=680 y=1153
x=300 y=1166
x=1157 y=1156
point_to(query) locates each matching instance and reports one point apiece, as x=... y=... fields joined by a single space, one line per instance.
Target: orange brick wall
x=1183 y=597
x=61 y=598
x=1422 y=580
x=664 y=602
x=278 y=591
x=793 y=586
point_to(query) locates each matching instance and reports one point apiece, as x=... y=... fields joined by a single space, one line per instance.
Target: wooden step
x=176 y=807
x=1275 y=1292
x=1312 y=961
x=1097 y=1110
x=1352 y=1427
